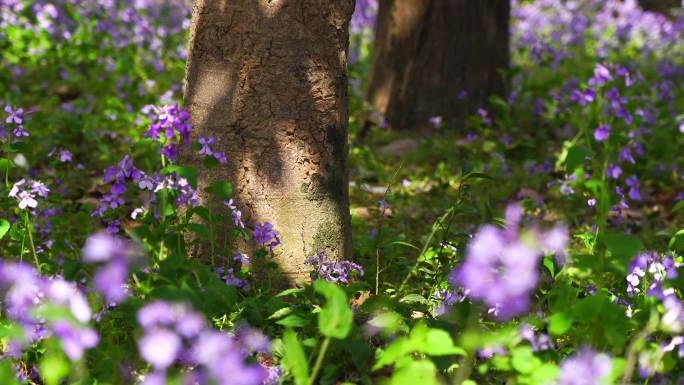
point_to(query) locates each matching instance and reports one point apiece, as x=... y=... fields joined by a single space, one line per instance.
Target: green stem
x=212 y=243
x=163 y=216
x=29 y=230
x=319 y=360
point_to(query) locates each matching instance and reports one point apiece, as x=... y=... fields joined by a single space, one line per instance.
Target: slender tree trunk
x=268 y=79
x=660 y=6
x=437 y=58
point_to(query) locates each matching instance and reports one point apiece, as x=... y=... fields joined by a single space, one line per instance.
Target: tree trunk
x=268 y=79
x=660 y=6
x=437 y=58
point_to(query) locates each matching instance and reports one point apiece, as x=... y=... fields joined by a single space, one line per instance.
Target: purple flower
x=110 y=278
x=435 y=121
x=75 y=340
x=25 y=193
x=500 y=268
x=626 y=155
x=633 y=183
x=170 y=151
x=602 y=132
x=14 y=116
x=601 y=75
x=25 y=293
x=586 y=367
x=228 y=275
x=613 y=171
x=205 y=150
x=235 y=213
x=266 y=235
x=333 y=271
x=175 y=334
x=160 y=348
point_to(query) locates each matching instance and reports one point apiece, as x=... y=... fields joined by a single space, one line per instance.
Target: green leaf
x=187 y=172
x=4 y=227
x=293 y=321
x=523 y=360
x=7 y=374
x=5 y=165
x=477 y=175
x=222 y=189
x=413 y=298
x=399 y=348
x=201 y=230
x=435 y=342
x=559 y=323
x=335 y=318
x=575 y=158
x=421 y=372
x=282 y=312
x=294 y=358
x=622 y=246
x=676 y=242
x=402 y=243
x=54 y=368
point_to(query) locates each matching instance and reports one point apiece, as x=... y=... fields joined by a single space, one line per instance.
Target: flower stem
x=29 y=230
x=319 y=360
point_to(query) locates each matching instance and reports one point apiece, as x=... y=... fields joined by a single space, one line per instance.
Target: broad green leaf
x=222 y=189
x=388 y=322
x=54 y=368
x=335 y=318
x=524 y=360
x=201 y=230
x=400 y=347
x=435 y=342
x=294 y=358
x=676 y=242
x=559 y=323
x=622 y=246
x=421 y=372
x=575 y=158
x=4 y=227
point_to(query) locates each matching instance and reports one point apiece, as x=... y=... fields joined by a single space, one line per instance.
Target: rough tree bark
x=268 y=79
x=437 y=58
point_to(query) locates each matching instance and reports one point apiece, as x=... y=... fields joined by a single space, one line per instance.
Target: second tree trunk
x=437 y=58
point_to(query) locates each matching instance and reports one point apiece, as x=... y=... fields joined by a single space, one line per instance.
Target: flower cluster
x=169 y=119
x=650 y=265
x=333 y=271
x=117 y=176
x=586 y=367
x=207 y=151
x=228 y=275
x=175 y=334
x=25 y=192
x=27 y=299
x=501 y=265
x=16 y=118
x=266 y=235
x=538 y=342
x=114 y=256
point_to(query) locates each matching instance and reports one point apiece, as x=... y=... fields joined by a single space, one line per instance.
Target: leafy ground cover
x=540 y=245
